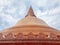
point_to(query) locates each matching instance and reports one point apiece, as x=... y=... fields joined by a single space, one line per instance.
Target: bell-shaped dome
x=30 y=19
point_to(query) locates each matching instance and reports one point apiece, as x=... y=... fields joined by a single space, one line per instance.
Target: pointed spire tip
x=30 y=12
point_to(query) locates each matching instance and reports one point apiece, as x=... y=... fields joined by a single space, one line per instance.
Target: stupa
x=30 y=29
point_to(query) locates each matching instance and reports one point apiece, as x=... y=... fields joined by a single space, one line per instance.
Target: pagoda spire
x=30 y=12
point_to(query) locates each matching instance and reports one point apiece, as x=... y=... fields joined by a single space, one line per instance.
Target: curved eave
x=33 y=29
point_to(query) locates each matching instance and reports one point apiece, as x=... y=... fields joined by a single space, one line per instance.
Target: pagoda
x=30 y=30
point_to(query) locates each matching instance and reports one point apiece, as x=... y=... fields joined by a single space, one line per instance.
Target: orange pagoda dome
x=30 y=28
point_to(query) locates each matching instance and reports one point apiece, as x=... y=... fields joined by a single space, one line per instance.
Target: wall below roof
x=31 y=43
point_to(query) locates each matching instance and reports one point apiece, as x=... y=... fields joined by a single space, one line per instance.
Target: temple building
x=30 y=29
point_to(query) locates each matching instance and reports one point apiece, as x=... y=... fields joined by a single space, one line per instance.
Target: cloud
x=49 y=11
x=13 y=10
x=6 y=21
x=5 y=2
x=55 y=11
x=11 y=13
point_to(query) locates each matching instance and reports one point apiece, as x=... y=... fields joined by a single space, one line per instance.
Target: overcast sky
x=11 y=11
